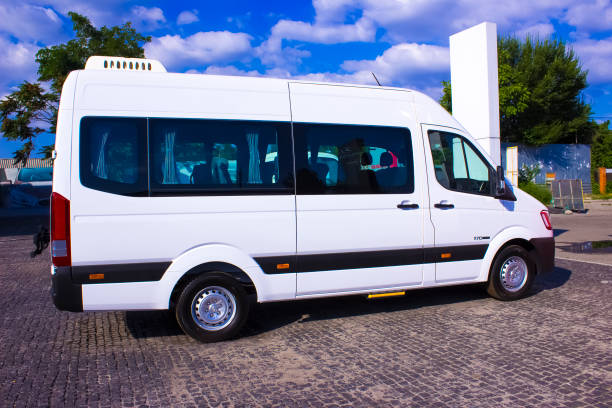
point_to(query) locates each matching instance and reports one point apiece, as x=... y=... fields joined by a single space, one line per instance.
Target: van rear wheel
x=511 y=274
x=212 y=307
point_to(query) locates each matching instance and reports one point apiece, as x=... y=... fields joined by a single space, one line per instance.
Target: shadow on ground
x=271 y=316
x=22 y=225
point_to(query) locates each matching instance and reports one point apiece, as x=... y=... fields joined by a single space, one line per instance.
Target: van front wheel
x=511 y=275
x=212 y=307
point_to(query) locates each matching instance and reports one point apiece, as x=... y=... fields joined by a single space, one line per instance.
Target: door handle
x=407 y=205
x=445 y=205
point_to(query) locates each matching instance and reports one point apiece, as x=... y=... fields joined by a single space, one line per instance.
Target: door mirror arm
x=502 y=191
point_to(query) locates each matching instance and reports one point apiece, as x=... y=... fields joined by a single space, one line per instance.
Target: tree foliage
x=601 y=149
x=31 y=106
x=540 y=93
x=23 y=114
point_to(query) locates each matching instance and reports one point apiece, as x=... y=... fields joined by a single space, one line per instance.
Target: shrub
x=527 y=174
x=540 y=192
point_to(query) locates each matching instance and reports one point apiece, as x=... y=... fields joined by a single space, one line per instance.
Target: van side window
x=350 y=159
x=458 y=165
x=113 y=155
x=191 y=156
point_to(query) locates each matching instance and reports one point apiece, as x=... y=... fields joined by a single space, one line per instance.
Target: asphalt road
x=448 y=347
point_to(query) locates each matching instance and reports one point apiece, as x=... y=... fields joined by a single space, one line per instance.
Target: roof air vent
x=124 y=64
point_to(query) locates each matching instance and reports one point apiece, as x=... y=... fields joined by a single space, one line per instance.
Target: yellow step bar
x=386 y=294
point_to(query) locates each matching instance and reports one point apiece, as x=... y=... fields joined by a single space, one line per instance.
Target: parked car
x=32 y=187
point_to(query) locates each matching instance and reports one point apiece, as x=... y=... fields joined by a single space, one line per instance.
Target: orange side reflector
x=446 y=255
x=96 y=276
x=282 y=266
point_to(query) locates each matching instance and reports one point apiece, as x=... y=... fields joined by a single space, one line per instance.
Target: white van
x=196 y=193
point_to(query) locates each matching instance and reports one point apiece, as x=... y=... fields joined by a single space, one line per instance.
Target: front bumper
x=543 y=254
x=66 y=295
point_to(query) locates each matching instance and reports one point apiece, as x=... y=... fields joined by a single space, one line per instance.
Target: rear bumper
x=66 y=295
x=544 y=254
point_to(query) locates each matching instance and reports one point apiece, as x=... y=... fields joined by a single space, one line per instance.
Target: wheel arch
x=512 y=236
x=223 y=268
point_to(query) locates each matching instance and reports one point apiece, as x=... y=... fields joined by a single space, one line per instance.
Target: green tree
x=540 y=93
x=31 y=106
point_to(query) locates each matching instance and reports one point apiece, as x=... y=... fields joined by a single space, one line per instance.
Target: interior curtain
x=169 y=167
x=254 y=171
x=101 y=171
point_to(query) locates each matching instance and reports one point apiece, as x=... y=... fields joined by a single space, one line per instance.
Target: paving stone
x=447 y=347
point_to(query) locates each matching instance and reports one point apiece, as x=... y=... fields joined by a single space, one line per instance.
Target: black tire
x=511 y=275
x=219 y=294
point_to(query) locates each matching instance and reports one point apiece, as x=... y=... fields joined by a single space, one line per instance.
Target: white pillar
x=475 y=86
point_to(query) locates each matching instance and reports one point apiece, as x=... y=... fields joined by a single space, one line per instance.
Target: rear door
x=359 y=210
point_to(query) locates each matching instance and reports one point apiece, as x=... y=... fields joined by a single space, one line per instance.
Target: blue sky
x=404 y=42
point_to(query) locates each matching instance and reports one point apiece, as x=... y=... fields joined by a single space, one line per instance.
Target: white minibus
x=202 y=194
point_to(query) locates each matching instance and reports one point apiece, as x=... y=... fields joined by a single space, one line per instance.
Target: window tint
x=346 y=159
x=457 y=164
x=201 y=156
x=113 y=155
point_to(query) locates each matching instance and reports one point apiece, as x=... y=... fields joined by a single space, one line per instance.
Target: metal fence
x=9 y=163
x=566 y=161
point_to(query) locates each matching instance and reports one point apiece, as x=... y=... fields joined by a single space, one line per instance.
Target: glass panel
x=478 y=170
x=346 y=159
x=112 y=155
x=457 y=165
x=217 y=154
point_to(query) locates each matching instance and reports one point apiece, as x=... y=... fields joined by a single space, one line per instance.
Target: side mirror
x=502 y=192
x=500 y=185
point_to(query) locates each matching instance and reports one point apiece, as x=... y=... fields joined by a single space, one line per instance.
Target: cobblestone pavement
x=444 y=347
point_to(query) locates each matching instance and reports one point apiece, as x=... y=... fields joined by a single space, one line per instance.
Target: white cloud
x=328 y=28
x=593 y=15
x=595 y=56
x=187 y=17
x=538 y=31
x=16 y=63
x=363 y=30
x=147 y=19
x=212 y=47
x=406 y=64
x=426 y=20
x=230 y=70
x=271 y=53
x=417 y=66
x=99 y=12
x=28 y=22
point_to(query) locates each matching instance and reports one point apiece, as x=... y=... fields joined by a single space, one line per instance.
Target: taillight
x=546 y=219
x=60 y=230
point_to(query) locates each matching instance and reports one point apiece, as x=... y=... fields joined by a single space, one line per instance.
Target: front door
x=464 y=211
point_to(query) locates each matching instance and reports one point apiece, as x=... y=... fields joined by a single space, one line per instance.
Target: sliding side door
x=359 y=208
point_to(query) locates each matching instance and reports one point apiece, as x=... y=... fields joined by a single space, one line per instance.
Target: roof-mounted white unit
x=124 y=64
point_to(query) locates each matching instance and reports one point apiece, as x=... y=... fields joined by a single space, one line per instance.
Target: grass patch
x=602 y=244
x=540 y=192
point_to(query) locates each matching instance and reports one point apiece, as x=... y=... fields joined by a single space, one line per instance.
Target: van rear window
x=113 y=155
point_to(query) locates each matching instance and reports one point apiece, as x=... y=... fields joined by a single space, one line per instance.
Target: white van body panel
x=188 y=231
x=186 y=95
x=345 y=223
x=63 y=137
x=106 y=229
